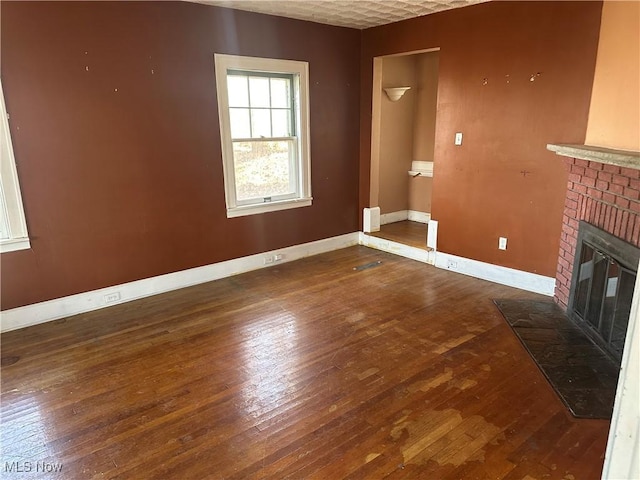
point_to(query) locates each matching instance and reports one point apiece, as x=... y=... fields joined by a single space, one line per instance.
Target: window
x=264 y=126
x=13 y=228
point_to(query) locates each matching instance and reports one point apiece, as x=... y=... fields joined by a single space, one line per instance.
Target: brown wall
x=120 y=165
x=479 y=190
x=614 y=116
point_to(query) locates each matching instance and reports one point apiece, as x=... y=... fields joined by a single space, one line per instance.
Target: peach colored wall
x=424 y=127
x=420 y=194
x=614 y=116
x=396 y=134
x=424 y=133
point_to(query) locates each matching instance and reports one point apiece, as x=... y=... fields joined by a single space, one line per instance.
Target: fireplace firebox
x=604 y=275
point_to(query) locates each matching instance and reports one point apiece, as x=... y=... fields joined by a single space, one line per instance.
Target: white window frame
x=11 y=210
x=300 y=71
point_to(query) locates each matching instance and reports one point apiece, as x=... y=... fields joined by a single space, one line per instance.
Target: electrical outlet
x=452 y=264
x=268 y=260
x=278 y=257
x=502 y=243
x=112 y=297
x=458 y=139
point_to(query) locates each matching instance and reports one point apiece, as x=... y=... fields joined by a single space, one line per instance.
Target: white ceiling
x=358 y=14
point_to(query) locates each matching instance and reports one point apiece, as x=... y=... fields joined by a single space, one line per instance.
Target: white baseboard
x=401 y=215
x=531 y=282
x=421 y=217
x=106 y=297
x=394 y=217
x=396 y=248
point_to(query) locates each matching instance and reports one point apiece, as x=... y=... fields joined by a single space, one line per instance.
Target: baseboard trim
x=420 y=217
x=394 y=217
x=42 y=312
x=401 y=215
x=531 y=282
x=396 y=248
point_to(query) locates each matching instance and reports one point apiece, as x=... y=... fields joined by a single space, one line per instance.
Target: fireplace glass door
x=602 y=297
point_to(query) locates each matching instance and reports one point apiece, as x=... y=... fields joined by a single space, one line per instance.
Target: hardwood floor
x=306 y=370
x=406 y=232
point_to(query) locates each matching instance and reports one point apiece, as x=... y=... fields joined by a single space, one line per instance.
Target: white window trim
x=223 y=63
x=10 y=196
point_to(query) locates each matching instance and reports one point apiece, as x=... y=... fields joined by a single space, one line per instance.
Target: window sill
x=268 y=207
x=14 y=244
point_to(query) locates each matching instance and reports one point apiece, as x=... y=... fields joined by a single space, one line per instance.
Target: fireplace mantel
x=610 y=156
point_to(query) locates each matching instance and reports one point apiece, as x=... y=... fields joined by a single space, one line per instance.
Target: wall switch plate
x=502 y=243
x=458 y=139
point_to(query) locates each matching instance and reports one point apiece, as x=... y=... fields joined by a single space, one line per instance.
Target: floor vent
x=368 y=265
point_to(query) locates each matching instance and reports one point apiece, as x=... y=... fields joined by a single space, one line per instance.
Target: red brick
x=615 y=188
x=596 y=214
x=608 y=197
x=631 y=193
x=587 y=209
x=624 y=223
x=574 y=177
x=591 y=173
x=571 y=204
x=633 y=221
x=634 y=206
x=573 y=241
x=617 y=223
x=579 y=188
x=611 y=168
x=582 y=163
x=634 y=183
x=612 y=219
x=602 y=185
x=630 y=172
x=573 y=195
x=567 y=229
x=573 y=223
x=588 y=181
x=622 y=202
x=592 y=192
x=564 y=290
x=636 y=234
x=596 y=165
x=563 y=262
x=577 y=169
x=621 y=180
x=607 y=177
x=584 y=204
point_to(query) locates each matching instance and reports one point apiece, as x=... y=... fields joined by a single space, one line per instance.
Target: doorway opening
x=402 y=144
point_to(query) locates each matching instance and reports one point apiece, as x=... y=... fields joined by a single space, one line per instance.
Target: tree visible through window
x=263 y=118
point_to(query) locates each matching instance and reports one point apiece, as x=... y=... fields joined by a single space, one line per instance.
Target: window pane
x=262 y=169
x=260 y=123
x=240 y=124
x=281 y=122
x=237 y=87
x=259 y=90
x=280 y=96
x=584 y=280
x=598 y=284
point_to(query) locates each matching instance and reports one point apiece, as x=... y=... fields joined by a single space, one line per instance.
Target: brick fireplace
x=606 y=196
